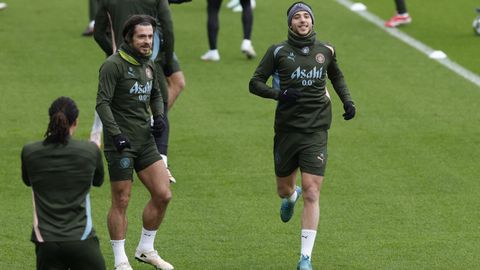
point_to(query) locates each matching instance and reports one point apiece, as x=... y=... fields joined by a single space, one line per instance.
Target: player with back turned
x=299 y=67
x=61 y=171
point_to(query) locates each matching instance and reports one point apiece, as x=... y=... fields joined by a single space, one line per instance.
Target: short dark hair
x=63 y=112
x=134 y=20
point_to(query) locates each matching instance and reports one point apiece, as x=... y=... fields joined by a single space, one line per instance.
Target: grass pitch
x=401 y=189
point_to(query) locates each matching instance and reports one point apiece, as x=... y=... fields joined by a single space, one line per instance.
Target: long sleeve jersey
x=294 y=65
x=127 y=89
x=112 y=15
x=61 y=177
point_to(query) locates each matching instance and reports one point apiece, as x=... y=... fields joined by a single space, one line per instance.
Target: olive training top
x=61 y=177
x=301 y=63
x=127 y=88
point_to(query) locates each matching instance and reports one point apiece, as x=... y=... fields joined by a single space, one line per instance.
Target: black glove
x=121 y=142
x=289 y=95
x=159 y=124
x=178 y=1
x=349 y=108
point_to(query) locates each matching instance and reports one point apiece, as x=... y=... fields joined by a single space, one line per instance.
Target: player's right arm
x=258 y=83
x=107 y=81
x=102 y=23
x=166 y=25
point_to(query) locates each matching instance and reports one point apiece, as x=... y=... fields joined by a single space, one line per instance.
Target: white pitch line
x=465 y=73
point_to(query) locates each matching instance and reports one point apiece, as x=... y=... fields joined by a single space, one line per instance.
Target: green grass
x=443 y=25
x=401 y=188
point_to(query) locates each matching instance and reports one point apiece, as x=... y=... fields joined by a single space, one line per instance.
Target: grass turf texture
x=401 y=188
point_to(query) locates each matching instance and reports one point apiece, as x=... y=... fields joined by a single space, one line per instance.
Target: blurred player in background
x=92 y=10
x=61 y=171
x=237 y=7
x=401 y=17
x=476 y=22
x=213 y=8
x=299 y=68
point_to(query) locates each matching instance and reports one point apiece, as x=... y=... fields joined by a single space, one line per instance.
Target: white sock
x=91 y=24
x=293 y=197
x=308 y=239
x=118 y=247
x=97 y=124
x=404 y=14
x=165 y=160
x=146 y=240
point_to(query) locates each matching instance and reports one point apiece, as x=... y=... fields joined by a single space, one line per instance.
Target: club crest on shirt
x=320 y=58
x=305 y=50
x=149 y=73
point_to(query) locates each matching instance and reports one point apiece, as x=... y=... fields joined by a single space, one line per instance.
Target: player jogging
x=299 y=67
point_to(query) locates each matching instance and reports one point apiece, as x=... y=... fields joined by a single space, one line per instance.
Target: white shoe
x=238 y=8
x=154 y=259
x=211 y=55
x=3 y=5
x=96 y=137
x=123 y=266
x=233 y=3
x=170 y=177
x=247 y=49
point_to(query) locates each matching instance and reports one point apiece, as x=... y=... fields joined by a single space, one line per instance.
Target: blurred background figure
x=236 y=7
x=92 y=10
x=213 y=8
x=401 y=17
x=233 y=3
x=476 y=23
x=3 y=5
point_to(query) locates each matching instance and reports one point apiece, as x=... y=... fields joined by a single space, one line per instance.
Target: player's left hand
x=159 y=124
x=350 y=110
x=178 y=1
